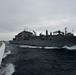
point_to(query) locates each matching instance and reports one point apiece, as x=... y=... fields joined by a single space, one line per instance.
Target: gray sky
x=38 y=15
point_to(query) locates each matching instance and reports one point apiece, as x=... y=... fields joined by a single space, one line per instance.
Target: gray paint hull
x=52 y=41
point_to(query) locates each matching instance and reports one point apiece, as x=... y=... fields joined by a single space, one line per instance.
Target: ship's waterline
x=56 y=39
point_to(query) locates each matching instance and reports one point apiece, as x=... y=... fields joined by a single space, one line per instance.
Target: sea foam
x=51 y=47
x=27 y=46
x=10 y=69
x=6 y=53
x=70 y=48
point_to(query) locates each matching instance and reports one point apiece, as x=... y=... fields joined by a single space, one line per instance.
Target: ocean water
x=22 y=60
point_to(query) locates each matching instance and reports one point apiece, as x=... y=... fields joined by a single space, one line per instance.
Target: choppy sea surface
x=23 y=60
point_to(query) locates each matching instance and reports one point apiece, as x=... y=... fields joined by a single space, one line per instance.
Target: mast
x=65 y=30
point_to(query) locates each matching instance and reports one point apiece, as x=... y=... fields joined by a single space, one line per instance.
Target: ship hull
x=58 y=41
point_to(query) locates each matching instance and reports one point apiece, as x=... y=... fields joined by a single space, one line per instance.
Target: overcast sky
x=38 y=15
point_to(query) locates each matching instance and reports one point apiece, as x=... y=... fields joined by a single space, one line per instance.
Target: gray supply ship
x=55 y=39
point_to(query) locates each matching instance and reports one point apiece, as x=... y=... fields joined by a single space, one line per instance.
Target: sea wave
x=9 y=69
x=70 y=48
x=27 y=46
x=51 y=47
x=6 y=53
x=66 y=47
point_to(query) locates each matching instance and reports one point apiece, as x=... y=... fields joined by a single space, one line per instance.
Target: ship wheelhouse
x=24 y=35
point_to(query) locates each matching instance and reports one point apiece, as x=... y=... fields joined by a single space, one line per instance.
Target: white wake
x=70 y=48
x=51 y=47
x=66 y=47
x=27 y=46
